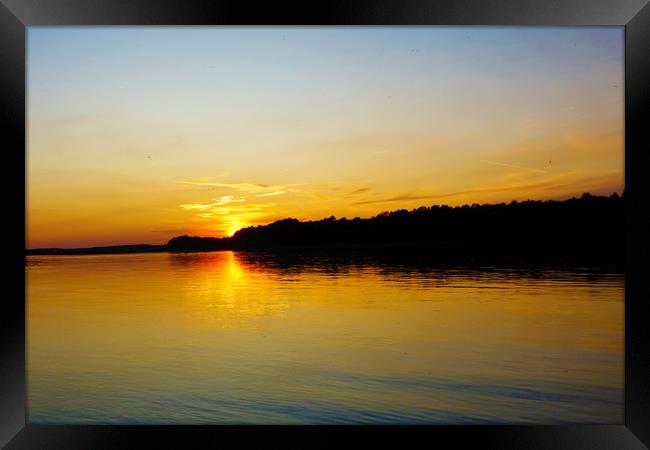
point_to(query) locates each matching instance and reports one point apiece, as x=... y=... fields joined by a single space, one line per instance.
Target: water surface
x=228 y=337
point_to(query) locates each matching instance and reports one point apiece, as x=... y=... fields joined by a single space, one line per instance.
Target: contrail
x=513 y=166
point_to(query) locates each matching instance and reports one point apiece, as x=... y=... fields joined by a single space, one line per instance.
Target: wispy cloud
x=270 y=194
x=230 y=209
x=226 y=199
x=609 y=142
x=359 y=191
x=260 y=189
x=513 y=166
x=561 y=182
x=247 y=187
x=397 y=198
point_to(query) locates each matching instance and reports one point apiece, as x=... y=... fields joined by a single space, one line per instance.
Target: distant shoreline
x=108 y=250
x=163 y=248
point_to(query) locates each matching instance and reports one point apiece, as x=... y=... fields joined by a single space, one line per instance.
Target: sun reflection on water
x=232 y=337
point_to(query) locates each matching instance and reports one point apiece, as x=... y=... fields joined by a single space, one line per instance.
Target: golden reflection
x=280 y=327
x=217 y=291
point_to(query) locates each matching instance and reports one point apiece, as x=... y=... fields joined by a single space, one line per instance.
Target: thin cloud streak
x=226 y=199
x=394 y=199
x=270 y=194
x=251 y=188
x=513 y=166
x=248 y=187
x=558 y=182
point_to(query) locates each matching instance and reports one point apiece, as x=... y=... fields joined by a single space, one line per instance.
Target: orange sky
x=136 y=135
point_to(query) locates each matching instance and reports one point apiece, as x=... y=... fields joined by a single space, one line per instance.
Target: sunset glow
x=137 y=135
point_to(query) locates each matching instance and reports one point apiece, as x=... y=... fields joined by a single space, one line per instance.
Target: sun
x=234 y=227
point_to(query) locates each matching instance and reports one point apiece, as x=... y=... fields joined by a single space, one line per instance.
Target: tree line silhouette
x=590 y=225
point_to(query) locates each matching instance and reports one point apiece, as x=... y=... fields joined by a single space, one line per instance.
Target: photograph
x=325 y=225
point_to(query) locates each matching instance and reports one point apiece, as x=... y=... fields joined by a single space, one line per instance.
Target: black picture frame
x=634 y=15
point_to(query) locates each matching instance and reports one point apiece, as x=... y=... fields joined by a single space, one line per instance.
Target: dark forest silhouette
x=590 y=226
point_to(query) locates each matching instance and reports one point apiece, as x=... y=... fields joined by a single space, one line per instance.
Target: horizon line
x=323 y=218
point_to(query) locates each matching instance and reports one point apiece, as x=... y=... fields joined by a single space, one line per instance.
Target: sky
x=139 y=134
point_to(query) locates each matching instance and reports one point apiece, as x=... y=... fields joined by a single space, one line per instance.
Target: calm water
x=227 y=337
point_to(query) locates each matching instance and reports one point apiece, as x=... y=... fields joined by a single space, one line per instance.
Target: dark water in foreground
x=228 y=337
